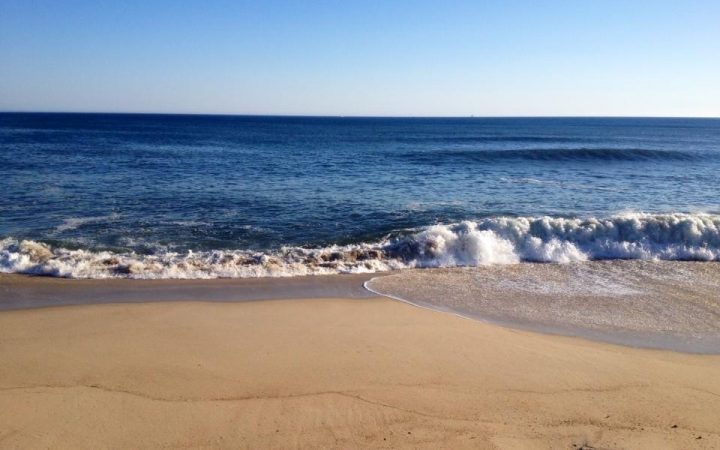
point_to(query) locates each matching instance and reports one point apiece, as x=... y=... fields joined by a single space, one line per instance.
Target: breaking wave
x=499 y=240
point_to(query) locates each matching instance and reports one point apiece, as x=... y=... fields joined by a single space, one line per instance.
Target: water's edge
x=19 y=291
x=694 y=343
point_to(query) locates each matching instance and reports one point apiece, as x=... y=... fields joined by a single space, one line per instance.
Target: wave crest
x=552 y=154
x=499 y=240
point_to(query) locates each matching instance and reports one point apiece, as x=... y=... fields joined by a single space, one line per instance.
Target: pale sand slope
x=334 y=374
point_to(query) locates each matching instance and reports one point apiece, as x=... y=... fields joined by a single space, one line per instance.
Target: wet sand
x=335 y=373
x=22 y=291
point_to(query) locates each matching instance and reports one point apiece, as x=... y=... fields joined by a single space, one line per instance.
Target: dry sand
x=335 y=373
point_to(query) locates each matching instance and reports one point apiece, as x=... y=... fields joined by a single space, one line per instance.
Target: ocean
x=192 y=196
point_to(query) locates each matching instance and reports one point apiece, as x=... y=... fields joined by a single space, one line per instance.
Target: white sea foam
x=500 y=240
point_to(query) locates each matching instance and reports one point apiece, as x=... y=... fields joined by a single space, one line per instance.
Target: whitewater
x=488 y=241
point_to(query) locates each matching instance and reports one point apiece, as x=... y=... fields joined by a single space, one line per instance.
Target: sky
x=367 y=58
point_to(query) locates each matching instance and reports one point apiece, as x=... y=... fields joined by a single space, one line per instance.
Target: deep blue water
x=231 y=182
x=205 y=196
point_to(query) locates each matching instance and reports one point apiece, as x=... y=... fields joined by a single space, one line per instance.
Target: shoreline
x=622 y=338
x=19 y=291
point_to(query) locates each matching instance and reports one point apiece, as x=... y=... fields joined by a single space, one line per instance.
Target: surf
x=488 y=241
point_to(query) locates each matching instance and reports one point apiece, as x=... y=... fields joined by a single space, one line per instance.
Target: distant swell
x=552 y=154
x=445 y=139
x=499 y=240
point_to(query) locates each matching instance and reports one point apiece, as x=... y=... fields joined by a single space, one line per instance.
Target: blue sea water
x=104 y=195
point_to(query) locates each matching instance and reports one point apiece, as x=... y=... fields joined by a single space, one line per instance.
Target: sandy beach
x=335 y=373
x=359 y=225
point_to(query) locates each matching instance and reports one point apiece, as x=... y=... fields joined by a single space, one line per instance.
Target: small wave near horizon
x=487 y=241
x=561 y=154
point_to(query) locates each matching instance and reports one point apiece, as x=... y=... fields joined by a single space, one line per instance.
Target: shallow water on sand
x=657 y=304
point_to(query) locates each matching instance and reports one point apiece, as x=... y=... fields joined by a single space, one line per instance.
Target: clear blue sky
x=424 y=58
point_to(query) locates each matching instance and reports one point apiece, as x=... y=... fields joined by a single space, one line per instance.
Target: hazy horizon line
x=360 y=116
